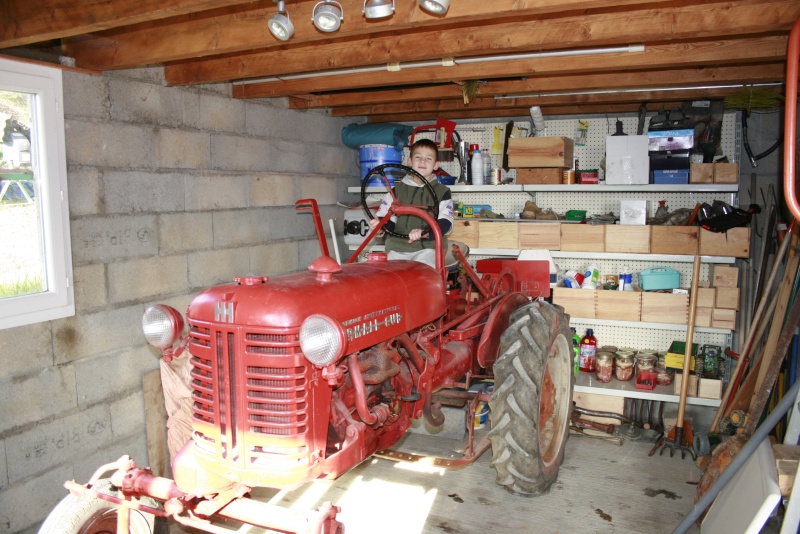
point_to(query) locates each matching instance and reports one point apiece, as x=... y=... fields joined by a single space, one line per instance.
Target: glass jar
x=623 y=368
x=664 y=375
x=604 y=366
x=645 y=361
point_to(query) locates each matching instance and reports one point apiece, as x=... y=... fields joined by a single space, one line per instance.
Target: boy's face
x=423 y=160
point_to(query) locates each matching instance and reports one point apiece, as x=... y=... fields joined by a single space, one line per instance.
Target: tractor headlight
x=322 y=340
x=162 y=325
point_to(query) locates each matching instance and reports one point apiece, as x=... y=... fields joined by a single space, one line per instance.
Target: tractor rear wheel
x=85 y=514
x=532 y=399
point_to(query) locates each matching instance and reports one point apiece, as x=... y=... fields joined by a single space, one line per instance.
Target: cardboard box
x=466 y=232
x=540 y=152
x=671 y=176
x=473 y=210
x=709 y=388
x=631 y=239
x=692 y=389
x=618 y=305
x=735 y=242
x=576 y=302
x=702 y=317
x=660 y=141
x=547 y=175
x=664 y=308
x=540 y=236
x=627 y=162
x=727 y=298
x=701 y=173
x=674 y=239
x=676 y=355
x=723 y=318
x=726 y=173
x=724 y=275
x=633 y=212
x=583 y=237
x=498 y=234
x=706 y=297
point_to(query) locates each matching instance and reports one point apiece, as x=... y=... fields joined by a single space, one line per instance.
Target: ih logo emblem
x=223 y=312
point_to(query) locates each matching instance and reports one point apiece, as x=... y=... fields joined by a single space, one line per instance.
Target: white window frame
x=58 y=300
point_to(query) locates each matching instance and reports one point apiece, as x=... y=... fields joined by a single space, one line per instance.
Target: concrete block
x=85 y=95
x=218 y=266
x=147 y=74
x=89 y=282
x=133 y=445
x=214 y=191
x=146 y=103
x=335 y=160
x=147 y=277
x=57 y=442
x=181 y=232
x=238 y=228
x=267 y=189
x=308 y=250
x=181 y=149
x=89 y=334
x=320 y=188
x=127 y=414
x=105 y=377
x=3 y=466
x=85 y=192
x=274 y=259
x=36 y=396
x=25 y=349
x=143 y=192
x=285 y=223
x=26 y=504
x=221 y=113
x=109 y=239
x=234 y=153
x=110 y=144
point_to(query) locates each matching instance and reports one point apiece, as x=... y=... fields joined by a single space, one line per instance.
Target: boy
x=423 y=158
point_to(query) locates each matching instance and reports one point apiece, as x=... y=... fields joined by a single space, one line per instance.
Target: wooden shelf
x=587 y=383
x=561 y=188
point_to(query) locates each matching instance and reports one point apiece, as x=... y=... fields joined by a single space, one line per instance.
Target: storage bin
x=540 y=152
x=665 y=308
x=540 y=236
x=576 y=302
x=735 y=242
x=618 y=305
x=701 y=173
x=545 y=175
x=674 y=240
x=629 y=239
x=498 y=234
x=583 y=237
x=466 y=232
x=654 y=278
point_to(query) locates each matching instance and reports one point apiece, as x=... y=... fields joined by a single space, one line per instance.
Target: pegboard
x=644 y=339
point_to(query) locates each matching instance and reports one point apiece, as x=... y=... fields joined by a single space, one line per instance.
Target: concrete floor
x=602 y=488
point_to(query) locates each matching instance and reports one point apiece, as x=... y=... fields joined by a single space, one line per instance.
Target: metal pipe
x=790 y=121
x=364 y=412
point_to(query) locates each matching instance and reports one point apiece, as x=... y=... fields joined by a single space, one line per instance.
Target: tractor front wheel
x=532 y=399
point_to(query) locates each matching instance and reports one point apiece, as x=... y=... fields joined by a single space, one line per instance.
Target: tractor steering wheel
x=380 y=170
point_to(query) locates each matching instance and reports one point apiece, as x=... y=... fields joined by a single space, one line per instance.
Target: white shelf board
x=680 y=258
x=649 y=188
x=587 y=383
x=644 y=325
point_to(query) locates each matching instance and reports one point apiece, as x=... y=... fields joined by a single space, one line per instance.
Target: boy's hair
x=425 y=143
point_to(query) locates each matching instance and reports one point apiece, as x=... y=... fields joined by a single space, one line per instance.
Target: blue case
x=659 y=278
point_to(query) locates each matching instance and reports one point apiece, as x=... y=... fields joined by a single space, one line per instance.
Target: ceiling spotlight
x=378 y=9
x=279 y=25
x=437 y=7
x=328 y=16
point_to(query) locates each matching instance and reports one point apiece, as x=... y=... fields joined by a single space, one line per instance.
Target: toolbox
x=659 y=278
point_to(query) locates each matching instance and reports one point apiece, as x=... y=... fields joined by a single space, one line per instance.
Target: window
x=35 y=256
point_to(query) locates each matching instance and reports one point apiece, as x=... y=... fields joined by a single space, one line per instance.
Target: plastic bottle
x=487 y=168
x=576 y=346
x=591 y=277
x=477 y=167
x=588 y=351
x=625 y=279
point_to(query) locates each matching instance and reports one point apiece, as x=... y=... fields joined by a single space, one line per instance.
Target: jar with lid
x=664 y=375
x=623 y=366
x=604 y=366
x=645 y=361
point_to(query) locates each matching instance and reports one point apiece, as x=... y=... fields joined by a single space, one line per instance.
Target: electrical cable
x=767 y=152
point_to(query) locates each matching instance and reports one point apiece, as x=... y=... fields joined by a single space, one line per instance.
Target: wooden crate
x=627 y=238
x=701 y=173
x=727 y=298
x=691 y=390
x=722 y=318
x=674 y=239
x=724 y=275
x=540 y=236
x=466 y=232
x=735 y=242
x=702 y=317
x=576 y=302
x=498 y=234
x=664 y=308
x=599 y=403
x=544 y=175
x=618 y=305
x=709 y=388
x=726 y=173
x=583 y=237
x=540 y=152
x=706 y=296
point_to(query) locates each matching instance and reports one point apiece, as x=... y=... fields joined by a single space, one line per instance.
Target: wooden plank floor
x=602 y=488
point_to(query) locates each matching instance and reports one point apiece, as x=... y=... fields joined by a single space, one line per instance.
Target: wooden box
x=664 y=308
x=540 y=236
x=498 y=234
x=540 y=152
x=727 y=298
x=706 y=296
x=466 y=232
x=674 y=239
x=545 y=175
x=627 y=238
x=724 y=275
x=583 y=237
x=599 y=403
x=576 y=302
x=701 y=173
x=726 y=173
x=692 y=389
x=735 y=242
x=618 y=305
x=709 y=388
x=722 y=318
x=702 y=317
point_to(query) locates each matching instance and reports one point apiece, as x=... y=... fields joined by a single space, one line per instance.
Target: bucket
x=370 y=156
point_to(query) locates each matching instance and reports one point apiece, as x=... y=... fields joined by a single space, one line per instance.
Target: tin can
x=495 y=176
x=568 y=177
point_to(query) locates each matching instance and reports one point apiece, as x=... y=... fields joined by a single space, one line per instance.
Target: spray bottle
x=588 y=351
x=576 y=346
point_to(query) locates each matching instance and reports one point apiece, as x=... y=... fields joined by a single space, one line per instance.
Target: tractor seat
x=450 y=260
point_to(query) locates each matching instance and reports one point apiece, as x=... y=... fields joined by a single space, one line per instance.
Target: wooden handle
x=687 y=356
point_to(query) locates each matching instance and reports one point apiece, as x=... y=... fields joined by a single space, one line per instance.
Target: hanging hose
x=767 y=152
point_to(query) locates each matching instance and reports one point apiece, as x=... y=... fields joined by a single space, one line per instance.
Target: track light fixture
x=279 y=25
x=328 y=16
x=437 y=7
x=378 y=9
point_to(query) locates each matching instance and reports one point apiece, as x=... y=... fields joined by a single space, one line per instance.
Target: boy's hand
x=373 y=223
x=415 y=235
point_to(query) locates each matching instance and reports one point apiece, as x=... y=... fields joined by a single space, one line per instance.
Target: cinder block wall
x=170 y=190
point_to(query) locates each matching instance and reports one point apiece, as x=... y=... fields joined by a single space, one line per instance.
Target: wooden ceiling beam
x=735 y=18
x=26 y=22
x=674 y=55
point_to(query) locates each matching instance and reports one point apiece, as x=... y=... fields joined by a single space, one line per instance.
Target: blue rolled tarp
x=387 y=133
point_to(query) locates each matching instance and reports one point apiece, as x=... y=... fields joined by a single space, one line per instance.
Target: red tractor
x=301 y=377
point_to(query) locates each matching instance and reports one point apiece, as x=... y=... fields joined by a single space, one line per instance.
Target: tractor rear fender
x=497 y=323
